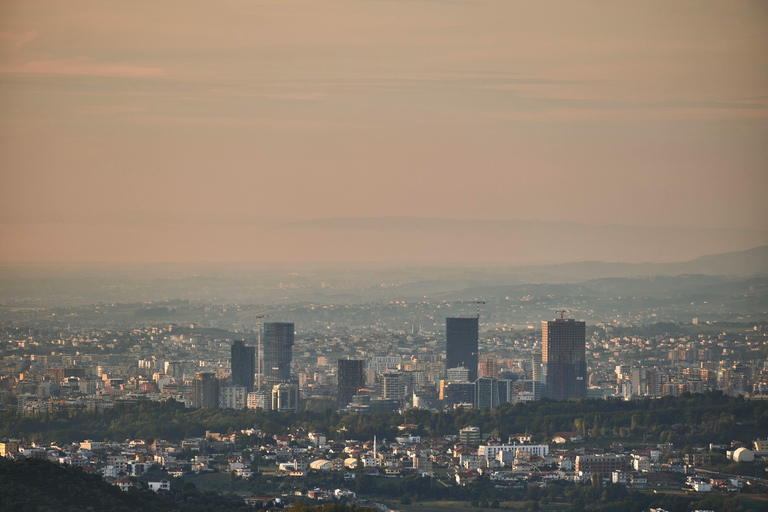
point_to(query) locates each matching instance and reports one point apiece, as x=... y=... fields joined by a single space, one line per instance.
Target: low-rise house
x=503 y=476
x=476 y=461
x=641 y=463
x=237 y=463
x=699 y=484
x=524 y=468
x=465 y=477
x=697 y=459
x=162 y=485
x=388 y=459
x=629 y=478
x=393 y=470
x=262 y=503
x=564 y=437
x=343 y=493
x=244 y=473
x=124 y=484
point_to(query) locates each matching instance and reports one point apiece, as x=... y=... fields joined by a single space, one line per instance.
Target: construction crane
x=562 y=312
x=258 y=355
x=478 y=302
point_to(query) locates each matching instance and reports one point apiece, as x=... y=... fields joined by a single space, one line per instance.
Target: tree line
x=690 y=419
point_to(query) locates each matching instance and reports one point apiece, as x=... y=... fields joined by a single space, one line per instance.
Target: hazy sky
x=162 y=130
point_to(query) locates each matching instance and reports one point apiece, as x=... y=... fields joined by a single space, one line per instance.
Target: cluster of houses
x=518 y=461
x=463 y=458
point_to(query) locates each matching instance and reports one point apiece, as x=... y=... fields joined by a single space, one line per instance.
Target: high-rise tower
x=351 y=380
x=392 y=385
x=489 y=367
x=278 y=351
x=461 y=344
x=205 y=390
x=243 y=365
x=563 y=358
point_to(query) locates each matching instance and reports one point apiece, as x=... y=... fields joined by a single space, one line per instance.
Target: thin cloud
x=18 y=38
x=81 y=67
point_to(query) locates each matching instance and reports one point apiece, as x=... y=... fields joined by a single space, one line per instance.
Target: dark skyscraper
x=351 y=380
x=205 y=390
x=563 y=357
x=243 y=364
x=278 y=351
x=461 y=344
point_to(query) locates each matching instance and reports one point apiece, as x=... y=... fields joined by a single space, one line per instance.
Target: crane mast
x=258 y=355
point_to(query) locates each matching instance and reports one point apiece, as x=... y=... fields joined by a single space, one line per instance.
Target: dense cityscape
x=383 y=256
x=424 y=388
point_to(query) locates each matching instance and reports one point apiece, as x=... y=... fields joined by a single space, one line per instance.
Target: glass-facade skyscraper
x=351 y=380
x=563 y=358
x=461 y=344
x=243 y=363
x=278 y=351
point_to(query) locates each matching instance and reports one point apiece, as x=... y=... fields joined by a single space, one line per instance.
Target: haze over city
x=419 y=131
x=384 y=256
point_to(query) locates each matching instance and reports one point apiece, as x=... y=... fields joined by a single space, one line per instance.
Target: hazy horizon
x=429 y=132
x=399 y=241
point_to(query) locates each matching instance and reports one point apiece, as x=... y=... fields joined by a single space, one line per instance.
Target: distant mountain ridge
x=51 y=284
x=425 y=241
x=750 y=262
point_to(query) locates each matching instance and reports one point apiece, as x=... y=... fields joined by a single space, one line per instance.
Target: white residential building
x=233 y=397
x=489 y=452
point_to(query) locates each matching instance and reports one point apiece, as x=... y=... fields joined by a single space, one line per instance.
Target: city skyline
x=254 y=131
x=418 y=194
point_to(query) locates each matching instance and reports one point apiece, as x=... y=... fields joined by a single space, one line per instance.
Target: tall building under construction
x=278 y=352
x=563 y=358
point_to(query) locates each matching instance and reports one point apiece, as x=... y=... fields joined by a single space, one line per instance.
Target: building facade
x=489 y=367
x=490 y=392
x=351 y=380
x=603 y=464
x=259 y=400
x=563 y=357
x=470 y=436
x=453 y=394
x=205 y=390
x=233 y=397
x=461 y=345
x=489 y=452
x=393 y=386
x=243 y=363
x=278 y=351
x=285 y=397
